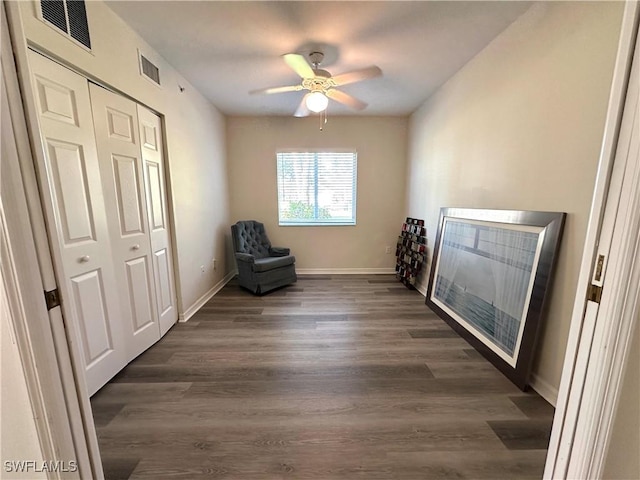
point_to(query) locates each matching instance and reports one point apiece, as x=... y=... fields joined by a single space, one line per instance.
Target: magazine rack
x=410 y=251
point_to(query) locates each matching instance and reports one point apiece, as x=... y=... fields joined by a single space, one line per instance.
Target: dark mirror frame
x=552 y=224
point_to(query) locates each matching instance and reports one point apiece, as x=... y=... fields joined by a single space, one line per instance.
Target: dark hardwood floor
x=335 y=377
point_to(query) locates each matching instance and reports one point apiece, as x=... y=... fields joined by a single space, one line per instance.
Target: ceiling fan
x=320 y=84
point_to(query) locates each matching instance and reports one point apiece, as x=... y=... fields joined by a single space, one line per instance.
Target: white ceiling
x=225 y=49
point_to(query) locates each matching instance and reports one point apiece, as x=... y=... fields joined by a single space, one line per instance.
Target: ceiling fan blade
x=357 y=75
x=299 y=65
x=346 y=99
x=302 y=110
x=289 y=88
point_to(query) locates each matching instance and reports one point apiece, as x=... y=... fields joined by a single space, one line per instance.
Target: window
x=317 y=187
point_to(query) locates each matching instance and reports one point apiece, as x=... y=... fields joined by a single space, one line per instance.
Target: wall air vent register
x=149 y=70
x=69 y=17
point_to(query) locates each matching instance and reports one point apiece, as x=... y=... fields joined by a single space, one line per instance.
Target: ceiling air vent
x=149 y=70
x=68 y=16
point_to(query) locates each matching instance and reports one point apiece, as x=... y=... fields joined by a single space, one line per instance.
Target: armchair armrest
x=245 y=257
x=279 y=251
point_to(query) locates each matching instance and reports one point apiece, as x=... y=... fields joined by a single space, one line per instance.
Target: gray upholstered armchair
x=261 y=267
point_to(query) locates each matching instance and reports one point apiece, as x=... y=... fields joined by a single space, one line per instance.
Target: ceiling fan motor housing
x=319 y=83
x=316 y=58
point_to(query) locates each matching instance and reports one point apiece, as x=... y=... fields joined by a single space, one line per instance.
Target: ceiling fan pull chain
x=323 y=119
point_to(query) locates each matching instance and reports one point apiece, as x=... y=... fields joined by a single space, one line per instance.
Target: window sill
x=317 y=224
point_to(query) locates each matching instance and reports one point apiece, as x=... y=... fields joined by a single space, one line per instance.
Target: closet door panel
x=77 y=222
x=72 y=191
x=150 y=128
x=115 y=119
x=164 y=283
x=155 y=192
x=128 y=195
x=57 y=102
x=89 y=296
x=141 y=293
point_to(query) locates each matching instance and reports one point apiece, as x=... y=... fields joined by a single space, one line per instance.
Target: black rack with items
x=410 y=251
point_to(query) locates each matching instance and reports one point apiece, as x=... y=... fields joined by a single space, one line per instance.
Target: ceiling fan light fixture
x=317 y=102
x=320 y=84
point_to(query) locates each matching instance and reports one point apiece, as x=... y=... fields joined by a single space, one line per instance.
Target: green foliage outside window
x=305 y=210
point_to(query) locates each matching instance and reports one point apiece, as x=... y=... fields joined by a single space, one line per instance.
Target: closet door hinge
x=52 y=298
x=594 y=293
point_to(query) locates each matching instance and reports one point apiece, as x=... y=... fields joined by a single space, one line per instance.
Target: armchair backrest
x=250 y=237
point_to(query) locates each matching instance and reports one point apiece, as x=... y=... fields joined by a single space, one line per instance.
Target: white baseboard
x=345 y=271
x=544 y=389
x=190 y=312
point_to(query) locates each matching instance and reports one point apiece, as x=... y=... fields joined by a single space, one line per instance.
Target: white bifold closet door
x=105 y=192
x=159 y=225
x=79 y=227
x=116 y=127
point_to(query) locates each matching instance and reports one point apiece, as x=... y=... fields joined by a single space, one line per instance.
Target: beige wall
x=381 y=145
x=623 y=458
x=520 y=127
x=194 y=131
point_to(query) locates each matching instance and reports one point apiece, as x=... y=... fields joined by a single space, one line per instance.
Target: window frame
x=319 y=222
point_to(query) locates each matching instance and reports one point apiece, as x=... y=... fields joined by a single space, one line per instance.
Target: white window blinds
x=317 y=187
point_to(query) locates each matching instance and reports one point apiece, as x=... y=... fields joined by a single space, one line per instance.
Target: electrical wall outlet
x=214 y=262
x=387 y=249
x=202 y=268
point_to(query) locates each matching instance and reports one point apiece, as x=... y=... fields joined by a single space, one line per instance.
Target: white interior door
x=152 y=156
x=90 y=296
x=116 y=127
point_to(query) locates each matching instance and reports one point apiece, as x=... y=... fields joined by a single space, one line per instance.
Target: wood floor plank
x=522 y=434
x=313 y=373
x=120 y=468
x=409 y=356
x=341 y=441
x=146 y=392
x=463 y=369
x=534 y=406
x=432 y=333
x=491 y=464
x=334 y=377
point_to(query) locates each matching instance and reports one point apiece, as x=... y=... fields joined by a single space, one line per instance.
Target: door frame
x=55 y=345
x=597 y=349
x=62 y=414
